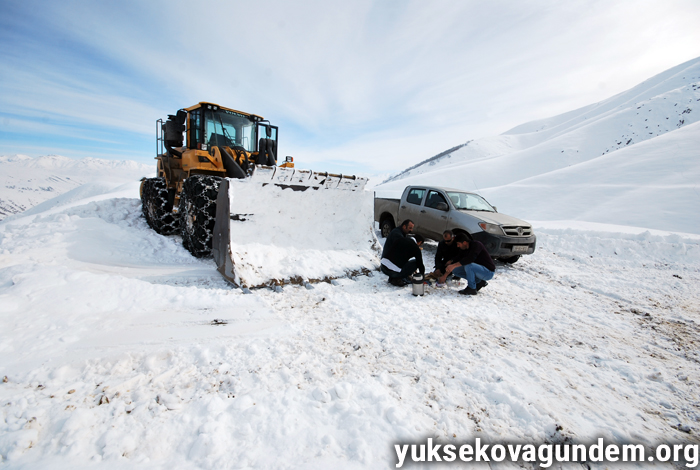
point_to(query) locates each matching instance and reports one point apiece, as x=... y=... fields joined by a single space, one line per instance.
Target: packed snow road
x=119 y=349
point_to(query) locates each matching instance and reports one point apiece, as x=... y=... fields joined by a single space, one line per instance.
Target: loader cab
x=210 y=125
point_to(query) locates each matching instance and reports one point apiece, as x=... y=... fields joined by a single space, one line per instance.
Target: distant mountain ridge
x=26 y=181
x=430 y=161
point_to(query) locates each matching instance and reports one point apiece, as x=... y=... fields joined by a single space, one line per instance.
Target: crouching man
x=474 y=264
x=403 y=260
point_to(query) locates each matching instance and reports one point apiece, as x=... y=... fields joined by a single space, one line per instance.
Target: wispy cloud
x=377 y=85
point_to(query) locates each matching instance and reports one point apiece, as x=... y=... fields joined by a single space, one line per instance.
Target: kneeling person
x=474 y=264
x=403 y=260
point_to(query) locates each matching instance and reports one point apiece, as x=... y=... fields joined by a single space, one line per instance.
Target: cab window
x=415 y=196
x=194 y=128
x=434 y=198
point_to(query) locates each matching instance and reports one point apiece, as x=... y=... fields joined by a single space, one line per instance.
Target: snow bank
x=313 y=234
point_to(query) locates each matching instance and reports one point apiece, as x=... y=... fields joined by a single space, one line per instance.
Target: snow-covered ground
x=120 y=350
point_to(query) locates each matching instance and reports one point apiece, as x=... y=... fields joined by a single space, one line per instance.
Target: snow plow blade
x=286 y=226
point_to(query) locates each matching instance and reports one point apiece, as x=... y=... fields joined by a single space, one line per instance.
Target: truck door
x=411 y=206
x=433 y=215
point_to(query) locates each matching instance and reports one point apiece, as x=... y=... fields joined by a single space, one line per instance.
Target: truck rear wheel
x=386 y=227
x=156 y=208
x=198 y=213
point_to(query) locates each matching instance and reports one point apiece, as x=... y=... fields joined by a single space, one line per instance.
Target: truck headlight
x=491 y=228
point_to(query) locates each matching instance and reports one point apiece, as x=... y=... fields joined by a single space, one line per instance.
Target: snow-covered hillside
x=26 y=182
x=643 y=143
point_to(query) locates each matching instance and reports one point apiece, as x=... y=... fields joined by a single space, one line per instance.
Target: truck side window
x=434 y=198
x=415 y=196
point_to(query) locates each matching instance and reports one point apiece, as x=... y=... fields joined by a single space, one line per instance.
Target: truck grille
x=517 y=230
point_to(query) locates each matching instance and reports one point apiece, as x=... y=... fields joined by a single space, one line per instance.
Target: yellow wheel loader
x=219 y=186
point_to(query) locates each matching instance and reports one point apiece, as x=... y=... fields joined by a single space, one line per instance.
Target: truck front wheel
x=386 y=226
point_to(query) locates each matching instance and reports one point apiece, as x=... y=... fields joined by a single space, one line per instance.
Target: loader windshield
x=223 y=128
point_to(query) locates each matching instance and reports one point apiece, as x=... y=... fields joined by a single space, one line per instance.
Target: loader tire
x=198 y=213
x=157 y=210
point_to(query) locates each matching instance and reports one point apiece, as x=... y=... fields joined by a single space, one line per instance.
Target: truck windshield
x=469 y=202
x=228 y=129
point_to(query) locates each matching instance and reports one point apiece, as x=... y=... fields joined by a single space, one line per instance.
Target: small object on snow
x=5 y=380
x=676 y=275
x=103 y=400
x=169 y=401
x=441 y=284
x=71 y=391
x=308 y=285
x=639 y=312
x=417 y=284
x=683 y=428
x=322 y=395
x=218 y=321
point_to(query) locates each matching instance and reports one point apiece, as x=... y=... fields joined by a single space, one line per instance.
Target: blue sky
x=365 y=87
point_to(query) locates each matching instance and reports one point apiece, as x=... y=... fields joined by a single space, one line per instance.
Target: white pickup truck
x=434 y=210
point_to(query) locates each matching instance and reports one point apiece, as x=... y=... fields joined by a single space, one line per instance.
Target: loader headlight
x=491 y=228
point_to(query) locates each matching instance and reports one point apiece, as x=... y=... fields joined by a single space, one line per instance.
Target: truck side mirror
x=442 y=206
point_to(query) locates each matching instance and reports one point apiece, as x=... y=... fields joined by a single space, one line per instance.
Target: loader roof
x=203 y=104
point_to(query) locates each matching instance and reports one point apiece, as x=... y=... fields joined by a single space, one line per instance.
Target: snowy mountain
x=643 y=143
x=26 y=181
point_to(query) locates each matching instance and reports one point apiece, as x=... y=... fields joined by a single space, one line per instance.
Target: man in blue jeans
x=475 y=265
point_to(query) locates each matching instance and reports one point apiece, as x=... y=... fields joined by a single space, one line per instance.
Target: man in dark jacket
x=403 y=260
x=474 y=264
x=395 y=235
x=446 y=253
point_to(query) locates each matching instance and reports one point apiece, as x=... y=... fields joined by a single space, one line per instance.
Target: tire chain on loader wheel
x=155 y=208
x=198 y=213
